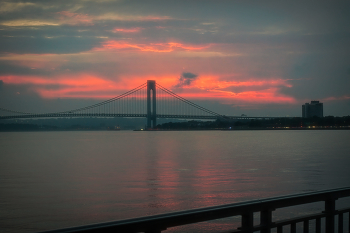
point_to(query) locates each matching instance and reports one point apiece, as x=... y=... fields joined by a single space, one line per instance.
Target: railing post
x=266 y=220
x=279 y=229
x=293 y=227
x=340 y=223
x=247 y=222
x=306 y=226
x=348 y=221
x=318 y=225
x=330 y=211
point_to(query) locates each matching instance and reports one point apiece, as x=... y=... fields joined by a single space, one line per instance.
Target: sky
x=259 y=58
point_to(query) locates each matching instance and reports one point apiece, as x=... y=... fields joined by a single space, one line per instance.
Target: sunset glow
x=72 y=18
x=152 y=47
x=127 y=30
x=218 y=53
x=127 y=110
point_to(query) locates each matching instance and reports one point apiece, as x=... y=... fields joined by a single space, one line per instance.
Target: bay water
x=51 y=180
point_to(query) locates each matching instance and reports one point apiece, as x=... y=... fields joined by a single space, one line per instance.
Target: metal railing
x=158 y=223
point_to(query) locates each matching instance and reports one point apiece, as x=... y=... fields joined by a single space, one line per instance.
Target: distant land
x=329 y=122
x=63 y=124
x=71 y=123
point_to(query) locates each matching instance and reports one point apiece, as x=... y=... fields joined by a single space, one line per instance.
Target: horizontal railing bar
x=163 y=221
x=342 y=211
x=303 y=218
x=298 y=219
x=292 y=220
x=286 y=222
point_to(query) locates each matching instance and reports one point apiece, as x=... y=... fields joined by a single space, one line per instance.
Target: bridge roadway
x=56 y=115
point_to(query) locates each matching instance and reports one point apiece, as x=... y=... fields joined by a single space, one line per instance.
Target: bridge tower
x=151 y=104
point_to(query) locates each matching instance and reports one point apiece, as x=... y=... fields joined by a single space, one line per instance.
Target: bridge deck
x=58 y=115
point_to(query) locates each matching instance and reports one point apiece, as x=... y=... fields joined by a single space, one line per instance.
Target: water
x=52 y=180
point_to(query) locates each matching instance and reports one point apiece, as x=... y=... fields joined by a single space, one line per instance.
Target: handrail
x=157 y=223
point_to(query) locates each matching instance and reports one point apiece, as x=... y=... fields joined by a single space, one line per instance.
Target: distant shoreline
x=347 y=128
x=155 y=130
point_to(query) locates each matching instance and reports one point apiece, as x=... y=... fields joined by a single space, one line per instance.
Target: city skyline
x=254 y=58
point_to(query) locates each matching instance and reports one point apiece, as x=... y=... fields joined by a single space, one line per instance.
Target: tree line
x=283 y=122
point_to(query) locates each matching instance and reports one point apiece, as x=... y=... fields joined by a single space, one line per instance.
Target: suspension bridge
x=150 y=100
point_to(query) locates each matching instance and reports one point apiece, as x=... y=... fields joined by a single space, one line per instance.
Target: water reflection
x=65 y=179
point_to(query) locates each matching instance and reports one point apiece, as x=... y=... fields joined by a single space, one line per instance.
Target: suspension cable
x=107 y=101
x=87 y=107
x=187 y=101
x=8 y=110
x=141 y=87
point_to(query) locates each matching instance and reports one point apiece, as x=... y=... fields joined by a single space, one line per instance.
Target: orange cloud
x=271 y=95
x=152 y=47
x=332 y=98
x=212 y=82
x=254 y=91
x=155 y=18
x=67 y=17
x=84 y=85
x=46 y=65
x=127 y=17
x=266 y=96
x=73 y=85
x=128 y=30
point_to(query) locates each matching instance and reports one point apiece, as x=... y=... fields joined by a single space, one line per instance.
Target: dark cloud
x=301 y=41
x=186 y=79
x=47 y=45
x=10 y=68
x=22 y=98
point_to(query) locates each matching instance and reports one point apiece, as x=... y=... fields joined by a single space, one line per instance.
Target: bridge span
x=149 y=100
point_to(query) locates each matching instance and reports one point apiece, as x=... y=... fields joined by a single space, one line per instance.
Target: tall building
x=315 y=108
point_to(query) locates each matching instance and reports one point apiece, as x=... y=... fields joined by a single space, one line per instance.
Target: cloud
x=131 y=17
x=334 y=98
x=40 y=44
x=186 y=79
x=128 y=30
x=29 y=22
x=250 y=91
x=283 y=54
x=1 y=84
x=150 y=47
x=15 y=6
x=67 y=17
x=79 y=85
x=270 y=95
